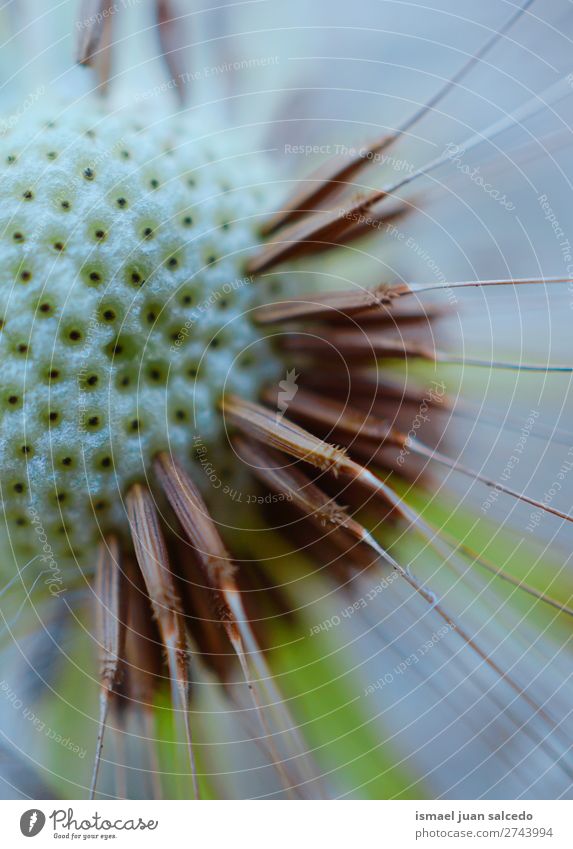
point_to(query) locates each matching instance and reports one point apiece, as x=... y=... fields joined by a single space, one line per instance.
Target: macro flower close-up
x=286 y=459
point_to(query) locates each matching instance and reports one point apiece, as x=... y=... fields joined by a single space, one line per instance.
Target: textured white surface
x=125 y=307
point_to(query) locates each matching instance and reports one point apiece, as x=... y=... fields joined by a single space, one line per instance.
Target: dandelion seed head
x=125 y=304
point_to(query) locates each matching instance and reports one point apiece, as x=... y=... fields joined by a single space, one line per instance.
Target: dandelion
x=203 y=438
